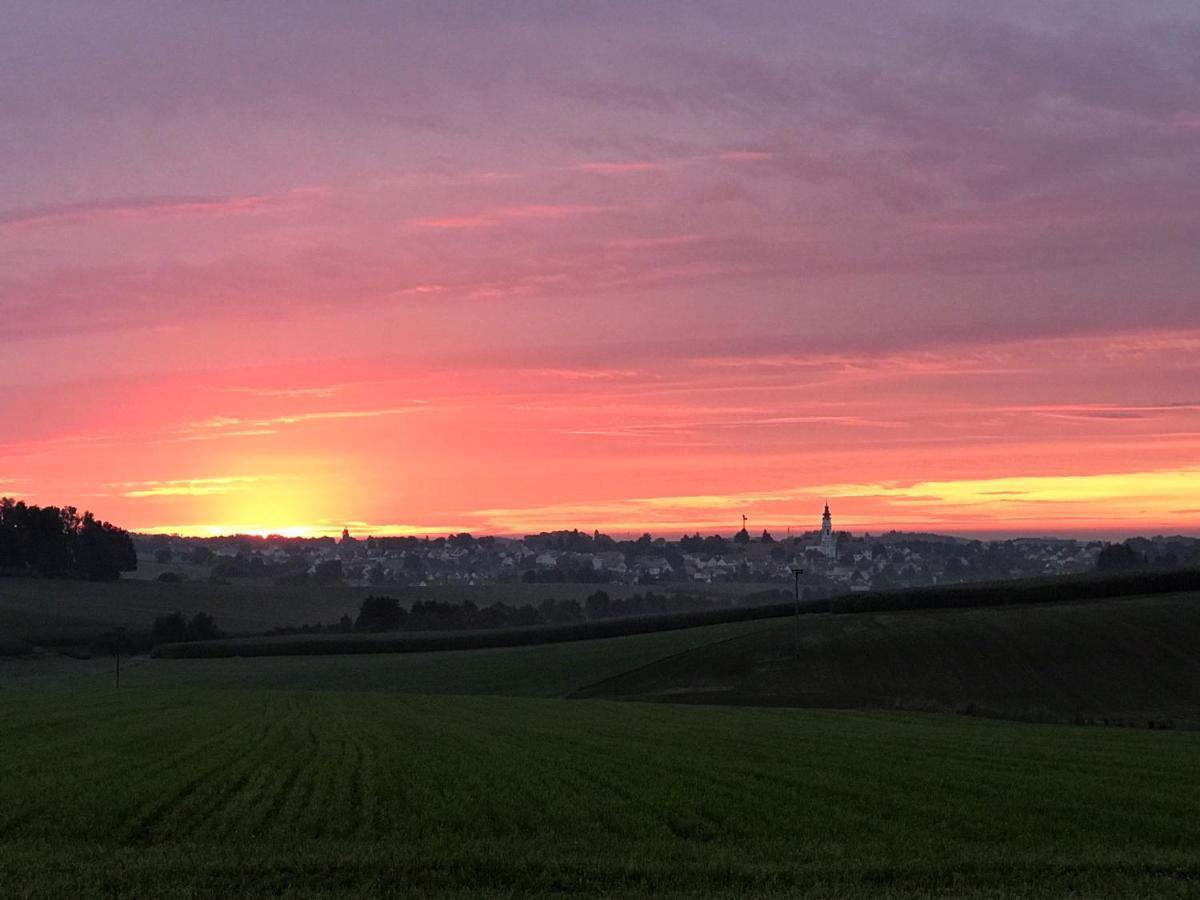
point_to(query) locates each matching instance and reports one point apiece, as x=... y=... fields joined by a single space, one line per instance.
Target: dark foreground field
x=471 y=774
x=1133 y=661
x=193 y=793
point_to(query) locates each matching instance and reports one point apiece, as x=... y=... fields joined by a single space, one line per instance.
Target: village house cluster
x=837 y=561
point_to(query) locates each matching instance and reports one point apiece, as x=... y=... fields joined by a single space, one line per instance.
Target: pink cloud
x=129 y=208
x=744 y=155
x=528 y=212
x=619 y=168
x=668 y=240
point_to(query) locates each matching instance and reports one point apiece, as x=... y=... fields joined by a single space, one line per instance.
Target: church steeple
x=828 y=546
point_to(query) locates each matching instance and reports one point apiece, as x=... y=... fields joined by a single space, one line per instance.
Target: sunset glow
x=671 y=270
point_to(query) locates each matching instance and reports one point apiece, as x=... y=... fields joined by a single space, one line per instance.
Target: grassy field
x=33 y=608
x=45 y=610
x=247 y=793
x=546 y=670
x=1131 y=660
x=471 y=773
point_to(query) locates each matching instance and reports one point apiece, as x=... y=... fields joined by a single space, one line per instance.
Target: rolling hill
x=1134 y=661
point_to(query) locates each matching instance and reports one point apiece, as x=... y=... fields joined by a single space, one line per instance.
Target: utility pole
x=120 y=633
x=797 y=572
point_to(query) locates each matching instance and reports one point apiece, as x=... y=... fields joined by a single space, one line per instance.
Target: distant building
x=828 y=545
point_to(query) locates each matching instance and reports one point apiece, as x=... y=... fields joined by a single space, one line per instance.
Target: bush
x=176 y=627
x=380 y=614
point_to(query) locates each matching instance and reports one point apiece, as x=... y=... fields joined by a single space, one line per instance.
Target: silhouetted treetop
x=60 y=543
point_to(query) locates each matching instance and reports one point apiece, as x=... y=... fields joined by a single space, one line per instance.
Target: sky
x=646 y=266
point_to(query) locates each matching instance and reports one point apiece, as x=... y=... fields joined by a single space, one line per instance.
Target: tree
x=55 y=543
x=598 y=605
x=328 y=570
x=1115 y=557
x=12 y=556
x=200 y=555
x=203 y=627
x=414 y=565
x=176 y=627
x=170 y=628
x=380 y=614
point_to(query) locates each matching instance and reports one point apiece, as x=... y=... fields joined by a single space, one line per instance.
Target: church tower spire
x=828 y=545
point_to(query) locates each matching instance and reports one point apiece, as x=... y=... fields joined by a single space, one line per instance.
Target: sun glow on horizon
x=1019 y=437
x=1073 y=504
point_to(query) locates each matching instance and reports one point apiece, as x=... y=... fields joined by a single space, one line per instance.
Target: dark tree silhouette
x=1115 y=557
x=380 y=614
x=176 y=627
x=60 y=543
x=328 y=570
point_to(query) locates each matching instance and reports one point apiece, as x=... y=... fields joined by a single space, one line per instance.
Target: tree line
x=387 y=614
x=58 y=542
x=383 y=613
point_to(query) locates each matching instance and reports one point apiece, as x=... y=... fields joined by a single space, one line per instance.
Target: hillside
x=1125 y=660
x=539 y=670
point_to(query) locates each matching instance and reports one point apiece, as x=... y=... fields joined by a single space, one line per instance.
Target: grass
x=1132 y=661
x=544 y=670
x=467 y=773
x=49 y=611
x=216 y=793
x=52 y=609
x=345 y=643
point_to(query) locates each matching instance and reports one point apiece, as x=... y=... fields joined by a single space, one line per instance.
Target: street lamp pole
x=118 y=635
x=797 y=572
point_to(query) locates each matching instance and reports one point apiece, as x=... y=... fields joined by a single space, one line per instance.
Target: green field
x=45 y=610
x=51 y=609
x=1127 y=661
x=202 y=793
x=474 y=773
x=1131 y=661
x=544 y=670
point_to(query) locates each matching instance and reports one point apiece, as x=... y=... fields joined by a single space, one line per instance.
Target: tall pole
x=120 y=633
x=797 y=572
